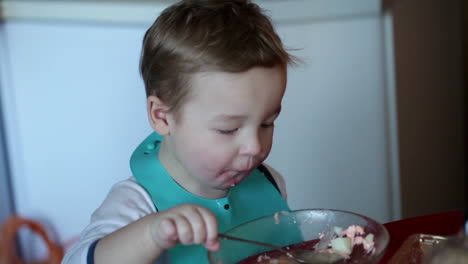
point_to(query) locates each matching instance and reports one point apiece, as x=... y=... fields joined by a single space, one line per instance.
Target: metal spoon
x=300 y=256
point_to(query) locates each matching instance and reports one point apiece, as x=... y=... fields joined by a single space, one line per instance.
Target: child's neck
x=180 y=175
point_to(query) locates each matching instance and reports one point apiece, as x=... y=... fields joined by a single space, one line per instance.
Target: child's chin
x=233 y=183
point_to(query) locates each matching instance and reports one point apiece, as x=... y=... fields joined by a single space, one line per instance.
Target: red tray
x=441 y=224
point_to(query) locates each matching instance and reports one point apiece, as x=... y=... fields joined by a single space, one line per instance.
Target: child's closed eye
x=268 y=125
x=226 y=131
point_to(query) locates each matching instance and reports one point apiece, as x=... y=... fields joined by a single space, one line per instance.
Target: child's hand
x=188 y=224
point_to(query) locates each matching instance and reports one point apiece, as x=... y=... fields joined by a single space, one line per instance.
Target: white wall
x=330 y=141
x=75 y=109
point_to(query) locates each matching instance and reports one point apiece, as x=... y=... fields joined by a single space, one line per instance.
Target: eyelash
x=268 y=125
x=227 y=132
x=230 y=132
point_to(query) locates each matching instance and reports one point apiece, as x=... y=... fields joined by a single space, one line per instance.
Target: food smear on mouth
x=344 y=245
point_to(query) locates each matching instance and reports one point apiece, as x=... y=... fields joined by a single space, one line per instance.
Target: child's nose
x=252 y=146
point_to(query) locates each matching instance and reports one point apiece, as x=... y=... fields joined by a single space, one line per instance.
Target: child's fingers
x=191 y=224
x=211 y=227
x=197 y=224
x=168 y=233
x=168 y=230
x=184 y=230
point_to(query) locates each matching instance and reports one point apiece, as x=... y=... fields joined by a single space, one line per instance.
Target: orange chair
x=8 y=236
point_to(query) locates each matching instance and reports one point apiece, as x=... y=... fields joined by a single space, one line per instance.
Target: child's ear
x=158 y=115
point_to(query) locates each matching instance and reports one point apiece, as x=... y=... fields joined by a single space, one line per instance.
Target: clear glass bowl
x=288 y=228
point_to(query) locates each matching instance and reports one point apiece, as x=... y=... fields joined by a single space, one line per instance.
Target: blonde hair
x=206 y=35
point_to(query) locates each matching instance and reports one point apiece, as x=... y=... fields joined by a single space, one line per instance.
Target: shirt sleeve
x=278 y=179
x=126 y=202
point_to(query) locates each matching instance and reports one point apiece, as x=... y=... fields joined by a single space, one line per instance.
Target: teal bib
x=252 y=198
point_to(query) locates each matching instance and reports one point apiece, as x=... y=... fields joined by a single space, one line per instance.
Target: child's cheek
x=213 y=161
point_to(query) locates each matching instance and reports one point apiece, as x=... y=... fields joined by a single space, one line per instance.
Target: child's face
x=224 y=130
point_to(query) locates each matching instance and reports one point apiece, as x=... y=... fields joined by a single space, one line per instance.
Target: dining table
x=437 y=224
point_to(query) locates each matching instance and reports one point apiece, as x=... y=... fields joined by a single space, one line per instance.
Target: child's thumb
x=213 y=245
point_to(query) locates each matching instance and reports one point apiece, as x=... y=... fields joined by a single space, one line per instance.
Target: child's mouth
x=234 y=177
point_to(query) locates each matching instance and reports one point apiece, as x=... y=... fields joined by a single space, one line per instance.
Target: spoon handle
x=288 y=253
x=252 y=242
